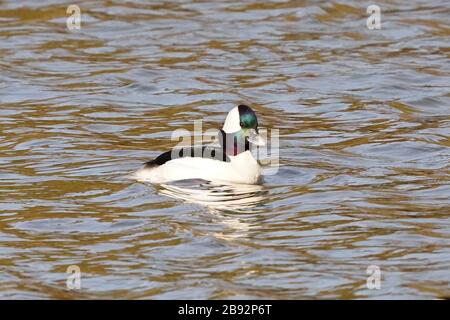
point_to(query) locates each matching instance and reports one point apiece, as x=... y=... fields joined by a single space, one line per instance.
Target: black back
x=209 y=152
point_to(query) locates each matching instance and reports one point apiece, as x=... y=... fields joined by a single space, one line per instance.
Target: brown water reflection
x=364 y=123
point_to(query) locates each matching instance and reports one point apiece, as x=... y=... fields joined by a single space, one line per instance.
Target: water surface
x=363 y=117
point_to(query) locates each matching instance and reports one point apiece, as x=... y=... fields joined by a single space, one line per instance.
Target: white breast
x=242 y=168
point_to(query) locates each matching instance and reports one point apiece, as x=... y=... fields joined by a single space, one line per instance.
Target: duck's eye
x=241 y=124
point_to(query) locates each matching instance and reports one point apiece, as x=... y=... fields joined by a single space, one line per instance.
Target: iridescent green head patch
x=247 y=117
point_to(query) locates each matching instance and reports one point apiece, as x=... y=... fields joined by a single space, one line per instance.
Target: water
x=364 y=149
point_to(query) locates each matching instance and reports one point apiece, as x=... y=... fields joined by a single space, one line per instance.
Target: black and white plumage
x=231 y=162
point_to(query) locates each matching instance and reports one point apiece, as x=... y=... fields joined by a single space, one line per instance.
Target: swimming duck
x=231 y=162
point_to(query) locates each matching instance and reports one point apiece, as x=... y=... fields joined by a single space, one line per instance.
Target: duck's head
x=241 y=128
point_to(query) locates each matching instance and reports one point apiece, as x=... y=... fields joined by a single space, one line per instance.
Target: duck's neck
x=233 y=143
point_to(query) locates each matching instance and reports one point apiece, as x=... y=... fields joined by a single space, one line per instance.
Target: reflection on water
x=237 y=198
x=225 y=203
x=363 y=117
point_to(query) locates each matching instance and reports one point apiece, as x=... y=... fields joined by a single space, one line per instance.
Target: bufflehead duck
x=232 y=162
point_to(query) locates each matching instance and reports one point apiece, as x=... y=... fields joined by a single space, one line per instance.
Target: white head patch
x=232 y=122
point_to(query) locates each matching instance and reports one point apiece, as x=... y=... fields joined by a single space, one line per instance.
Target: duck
x=230 y=162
